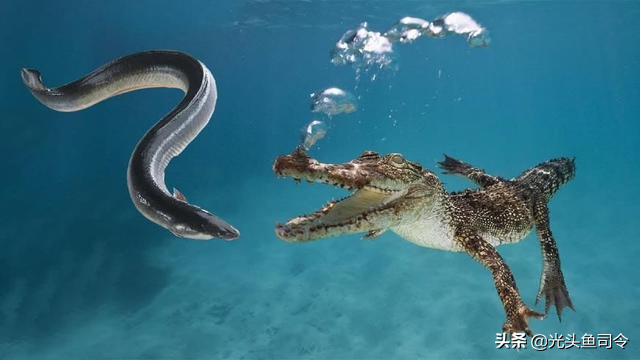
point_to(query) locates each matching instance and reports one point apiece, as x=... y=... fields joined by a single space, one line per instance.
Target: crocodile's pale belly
x=429 y=233
x=436 y=234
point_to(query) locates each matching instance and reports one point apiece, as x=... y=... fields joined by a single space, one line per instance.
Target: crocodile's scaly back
x=546 y=178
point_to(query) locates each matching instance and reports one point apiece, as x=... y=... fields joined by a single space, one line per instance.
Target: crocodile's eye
x=397 y=160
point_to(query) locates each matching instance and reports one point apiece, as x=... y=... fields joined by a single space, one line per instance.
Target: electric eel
x=164 y=141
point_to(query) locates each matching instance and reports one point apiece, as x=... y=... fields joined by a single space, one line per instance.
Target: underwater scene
x=316 y=215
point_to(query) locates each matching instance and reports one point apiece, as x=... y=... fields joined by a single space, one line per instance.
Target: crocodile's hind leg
x=518 y=313
x=477 y=175
x=552 y=284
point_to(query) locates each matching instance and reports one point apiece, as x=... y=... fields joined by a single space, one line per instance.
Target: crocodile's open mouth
x=371 y=207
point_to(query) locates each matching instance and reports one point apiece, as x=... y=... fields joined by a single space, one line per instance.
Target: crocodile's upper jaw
x=386 y=189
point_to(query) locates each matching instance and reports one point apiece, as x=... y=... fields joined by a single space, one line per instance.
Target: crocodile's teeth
x=379 y=190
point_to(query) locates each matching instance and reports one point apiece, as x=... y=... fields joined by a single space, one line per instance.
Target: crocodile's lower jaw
x=364 y=210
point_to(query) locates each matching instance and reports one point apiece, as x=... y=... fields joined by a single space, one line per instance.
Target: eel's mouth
x=371 y=207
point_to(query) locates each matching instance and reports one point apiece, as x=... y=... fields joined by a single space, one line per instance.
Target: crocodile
x=390 y=192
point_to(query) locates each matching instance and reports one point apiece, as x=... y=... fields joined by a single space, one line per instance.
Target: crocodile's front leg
x=453 y=166
x=552 y=280
x=518 y=313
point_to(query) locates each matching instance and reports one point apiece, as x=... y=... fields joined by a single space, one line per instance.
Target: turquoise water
x=84 y=276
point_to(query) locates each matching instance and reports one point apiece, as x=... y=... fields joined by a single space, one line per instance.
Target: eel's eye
x=397 y=160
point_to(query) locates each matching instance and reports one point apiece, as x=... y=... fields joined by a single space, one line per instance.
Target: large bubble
x=313 y=132
x=463 y=24
x=333 y=101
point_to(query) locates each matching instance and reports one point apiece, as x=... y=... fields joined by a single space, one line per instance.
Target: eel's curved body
x=164 y=141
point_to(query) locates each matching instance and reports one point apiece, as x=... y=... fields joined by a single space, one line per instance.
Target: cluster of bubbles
x=363 y=48
x=330 y=101
x=368 y=49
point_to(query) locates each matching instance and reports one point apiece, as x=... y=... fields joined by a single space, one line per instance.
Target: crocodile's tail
x=549 y=176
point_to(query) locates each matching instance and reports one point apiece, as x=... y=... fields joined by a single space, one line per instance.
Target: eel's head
x=387 y=191
x=200 y=224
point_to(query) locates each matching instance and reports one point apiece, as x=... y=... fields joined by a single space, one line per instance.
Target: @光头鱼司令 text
x=541 y=342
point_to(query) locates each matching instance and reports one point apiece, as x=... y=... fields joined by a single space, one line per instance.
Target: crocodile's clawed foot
x=453 y=166
x=555 y=293
x=519 y=322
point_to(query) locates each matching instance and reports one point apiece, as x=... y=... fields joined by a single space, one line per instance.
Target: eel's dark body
x=165 y=140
